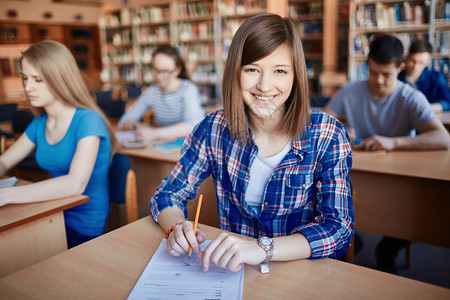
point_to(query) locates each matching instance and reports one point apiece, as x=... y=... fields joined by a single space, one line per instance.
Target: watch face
x=265 y=241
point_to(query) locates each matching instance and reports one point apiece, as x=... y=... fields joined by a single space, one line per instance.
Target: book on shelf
x=444 y=43
x=385 y=15
x=443 y=11
x=305 y=8
x=358 y=71
x=361 y=42
x=446 y=15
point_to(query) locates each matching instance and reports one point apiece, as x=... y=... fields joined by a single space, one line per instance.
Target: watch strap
x=264 y=267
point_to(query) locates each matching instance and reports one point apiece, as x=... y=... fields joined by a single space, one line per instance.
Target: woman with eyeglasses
x=175 y=100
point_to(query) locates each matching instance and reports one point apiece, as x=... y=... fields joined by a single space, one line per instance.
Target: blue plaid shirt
x=309 y=192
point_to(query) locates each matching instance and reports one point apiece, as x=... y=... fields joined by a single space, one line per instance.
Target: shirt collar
x=298 y=145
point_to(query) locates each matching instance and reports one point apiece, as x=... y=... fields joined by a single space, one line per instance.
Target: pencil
x=197 y=214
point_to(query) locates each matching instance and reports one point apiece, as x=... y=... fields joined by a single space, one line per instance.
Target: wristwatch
x=267 y=244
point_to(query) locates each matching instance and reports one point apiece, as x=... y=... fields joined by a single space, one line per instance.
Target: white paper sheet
x=171 y=277
x=7 y=182
x=125 y=136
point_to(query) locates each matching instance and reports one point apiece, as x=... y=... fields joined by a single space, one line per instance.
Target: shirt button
x=304 y=185
x=266 y=203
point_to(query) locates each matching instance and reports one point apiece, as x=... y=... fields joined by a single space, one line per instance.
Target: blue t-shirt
x=89 y=218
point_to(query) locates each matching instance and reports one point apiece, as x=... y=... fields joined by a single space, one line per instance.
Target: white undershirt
x=260 y=171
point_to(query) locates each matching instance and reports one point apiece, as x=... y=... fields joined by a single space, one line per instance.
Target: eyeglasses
x=162 y=73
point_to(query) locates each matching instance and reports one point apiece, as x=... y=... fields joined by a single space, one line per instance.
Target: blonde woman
x=72 y=139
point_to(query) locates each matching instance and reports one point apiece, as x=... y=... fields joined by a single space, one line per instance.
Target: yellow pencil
x=197 y=214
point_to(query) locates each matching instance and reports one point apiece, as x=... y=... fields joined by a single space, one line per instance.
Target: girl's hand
x=231 y=252
x=182 y=236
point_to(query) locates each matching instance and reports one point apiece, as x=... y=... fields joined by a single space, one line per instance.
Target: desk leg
x=31 y=243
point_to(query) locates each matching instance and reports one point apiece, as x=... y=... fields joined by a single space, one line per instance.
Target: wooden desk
x=403 y=194
x=152 y=166
x=108 y=267
x=32 y=232
x=445 y=119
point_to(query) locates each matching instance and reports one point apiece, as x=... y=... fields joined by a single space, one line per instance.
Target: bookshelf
x=194 y=37
x=343 y=26
x=15 y=33
x=81 y=39
x=201 y=30
x=440 y=33
x=310 y=13
x=408 y=20
x=229 y=16
x=118 y=47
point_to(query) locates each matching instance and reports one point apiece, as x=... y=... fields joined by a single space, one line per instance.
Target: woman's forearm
x=169 y=217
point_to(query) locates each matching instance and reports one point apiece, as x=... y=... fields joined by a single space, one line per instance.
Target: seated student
x=72 y=139
x=281 y=171
x=383 y=112
x=174 y=99
x=431 y=83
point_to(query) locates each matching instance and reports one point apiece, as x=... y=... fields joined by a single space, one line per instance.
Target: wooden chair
x=149 y=118
x=349 y=256
x=2 y=143
x=122 y=181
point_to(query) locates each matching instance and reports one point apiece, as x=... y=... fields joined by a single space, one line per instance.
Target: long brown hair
x=255 y=39
x=58 y=69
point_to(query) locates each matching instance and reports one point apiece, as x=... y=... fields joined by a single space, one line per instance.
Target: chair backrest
x=133 y=91
x=122 y=185
x=113 y=108
x=21 y=120
x=349 y=256
x=2 y=142
x=7 y=111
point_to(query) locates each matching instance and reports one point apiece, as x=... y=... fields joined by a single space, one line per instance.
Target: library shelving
x=81 y=39
x=201 y=30
x=343 y=26
x=310 y=13
x=440 y=33
x=194 y=37
x=408 y=20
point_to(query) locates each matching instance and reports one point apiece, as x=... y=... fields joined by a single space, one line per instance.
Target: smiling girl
x=281 y=171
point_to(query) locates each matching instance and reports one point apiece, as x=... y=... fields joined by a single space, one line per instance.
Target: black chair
x=113 y=108
x=133 y=91
x=7 y=111
x=28 y=168
x=20 y=121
